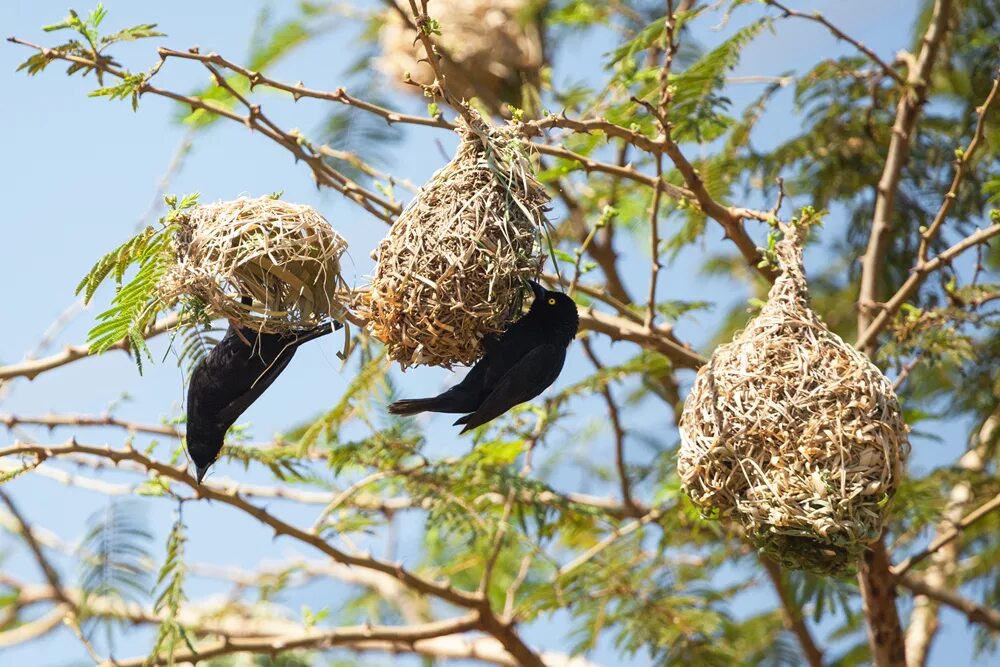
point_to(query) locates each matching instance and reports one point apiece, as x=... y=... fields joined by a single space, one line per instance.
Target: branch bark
x=924 y=623
x=792 y=614
x=975 y=612
x=487 y=619
x=32 y=368
x=908 y=110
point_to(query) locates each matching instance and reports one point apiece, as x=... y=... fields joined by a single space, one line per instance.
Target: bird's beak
x=199 y=472
x=537 y=289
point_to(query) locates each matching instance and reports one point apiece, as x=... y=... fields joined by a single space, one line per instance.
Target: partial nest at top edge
x=494 y=49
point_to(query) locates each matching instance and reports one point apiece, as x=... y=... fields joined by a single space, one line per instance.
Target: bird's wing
x=529 y=377
x=264 y=360
x=232 y=411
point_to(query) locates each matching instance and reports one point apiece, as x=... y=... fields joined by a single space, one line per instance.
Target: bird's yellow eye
x=552 y=301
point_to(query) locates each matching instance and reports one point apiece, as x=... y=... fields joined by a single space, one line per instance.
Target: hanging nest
x=285 y=256
x=494 y=47
x=794 y=433
x=454 y=265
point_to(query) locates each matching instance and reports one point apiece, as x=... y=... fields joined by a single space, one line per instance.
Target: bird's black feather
x=230 y=378
x=517 y=366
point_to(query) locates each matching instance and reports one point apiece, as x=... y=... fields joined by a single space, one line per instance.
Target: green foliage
x=697 y=101
x=656 y=591
x=88 y=56
x=114 y=560
x=135 y=304
x=194 y=342
x=170 y=634
x=129 y=88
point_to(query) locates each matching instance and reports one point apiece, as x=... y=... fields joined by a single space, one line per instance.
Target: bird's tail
x=411 y=406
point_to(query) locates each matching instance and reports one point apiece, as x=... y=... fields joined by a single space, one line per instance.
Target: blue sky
x=79 y=174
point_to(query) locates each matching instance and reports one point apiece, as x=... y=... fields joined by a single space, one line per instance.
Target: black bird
x=230 y=378
x=517 y=366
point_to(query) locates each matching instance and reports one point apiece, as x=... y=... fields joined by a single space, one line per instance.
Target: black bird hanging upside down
x=227 y=382
x=517 y=366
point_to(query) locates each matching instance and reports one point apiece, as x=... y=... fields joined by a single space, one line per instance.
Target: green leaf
x=118 y=260
x=129 y=88
x=114 y=561
x=170 y=633
x=136 y=305
x=136 y=32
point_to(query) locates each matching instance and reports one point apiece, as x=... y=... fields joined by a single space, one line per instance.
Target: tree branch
x=946 y=537
x=866 y=337
x=907 y=111
x=624 y=483
x=924 y=623
x=488 y=621
x=961 y=164
x=32 y=368
x=310 y=640
x=792 y=614
x=886 y=68
x=975 y=612
x=617 y=328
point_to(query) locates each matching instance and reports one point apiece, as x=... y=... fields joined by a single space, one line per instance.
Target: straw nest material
x=493 y=47
x=285 y=256
x=453 y=267
x=794 y=433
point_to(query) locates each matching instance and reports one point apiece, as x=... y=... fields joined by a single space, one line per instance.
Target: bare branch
x=924 y=622
x=299 y=90
x=944 y=538
x=314 y=640
x=975 y=612
x=962 y=162
x=919 y=274
x=792 y=614
x=31 y=369
x=619 y=433
x=908 y=110
x=487 y=622
x=617 y=328
x=886 y=68
x=52 y=421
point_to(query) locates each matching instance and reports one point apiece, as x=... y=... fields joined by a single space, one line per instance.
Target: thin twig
x=946 y=537
x=886 y=68
x=962 y=162
x=624 y=482
x=792 y=614
x=917 y=277
x=975 y=612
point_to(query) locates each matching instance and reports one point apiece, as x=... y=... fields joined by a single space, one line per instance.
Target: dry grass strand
x=794 y=433
x=285 y=256
x=454 y=265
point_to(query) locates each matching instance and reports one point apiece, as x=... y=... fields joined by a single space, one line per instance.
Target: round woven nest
x=286 y=257
x=455 y=264
x=494 y=48
x=794 y=433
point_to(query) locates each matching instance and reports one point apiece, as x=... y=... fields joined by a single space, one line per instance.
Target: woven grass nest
x=455 y=264
x=285 y=256
x=494 y=41
x=794 y=433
